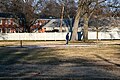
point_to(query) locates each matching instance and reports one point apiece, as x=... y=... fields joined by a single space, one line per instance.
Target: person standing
x=67 y=38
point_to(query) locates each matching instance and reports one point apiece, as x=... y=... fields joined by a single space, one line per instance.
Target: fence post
x=21 y=43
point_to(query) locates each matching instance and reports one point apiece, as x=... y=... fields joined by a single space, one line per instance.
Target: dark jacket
x=67 y=36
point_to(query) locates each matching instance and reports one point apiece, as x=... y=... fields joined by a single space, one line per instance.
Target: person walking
x=67 y=38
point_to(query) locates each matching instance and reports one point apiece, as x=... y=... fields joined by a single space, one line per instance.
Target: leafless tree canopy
x=87 y=9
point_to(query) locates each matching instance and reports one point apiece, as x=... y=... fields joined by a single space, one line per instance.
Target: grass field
x=67 y=62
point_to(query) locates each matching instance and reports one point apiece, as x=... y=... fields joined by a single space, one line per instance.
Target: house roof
x=12 y=15
x=7 y=15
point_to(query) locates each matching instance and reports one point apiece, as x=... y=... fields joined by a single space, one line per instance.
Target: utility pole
x=61 y=20
x=97 y=23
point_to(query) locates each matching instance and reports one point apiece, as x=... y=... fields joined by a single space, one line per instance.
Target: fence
x=56 y=36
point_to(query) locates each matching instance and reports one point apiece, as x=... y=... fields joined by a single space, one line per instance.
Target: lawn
x=72 y=62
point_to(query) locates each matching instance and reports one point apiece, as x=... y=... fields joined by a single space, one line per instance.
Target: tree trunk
x=85 y=33
x=75 y=26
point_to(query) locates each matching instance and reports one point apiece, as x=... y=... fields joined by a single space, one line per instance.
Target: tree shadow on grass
x=118 y=65
x=45 y=64
x=9 y=56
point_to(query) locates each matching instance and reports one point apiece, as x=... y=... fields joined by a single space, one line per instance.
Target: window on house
x=0 y=30
x=0 y=21
x=5 y=30
x=9 y=21
x=8 y=30
x=17 y=30
x=6 y=21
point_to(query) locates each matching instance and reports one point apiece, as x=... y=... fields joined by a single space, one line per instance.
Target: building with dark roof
x=10 y=23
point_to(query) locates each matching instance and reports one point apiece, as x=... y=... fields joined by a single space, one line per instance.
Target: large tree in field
x=114 y=11
x=85 y=10
x=105 y=15
x=76 y=22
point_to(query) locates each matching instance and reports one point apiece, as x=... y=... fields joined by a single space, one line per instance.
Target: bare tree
x=20 y=7
x=85 y=11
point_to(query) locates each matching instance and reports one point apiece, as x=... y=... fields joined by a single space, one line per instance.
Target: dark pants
x=67 y=41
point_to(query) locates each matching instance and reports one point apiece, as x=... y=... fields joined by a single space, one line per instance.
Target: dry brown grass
x=11 y=43
x=100 y=60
